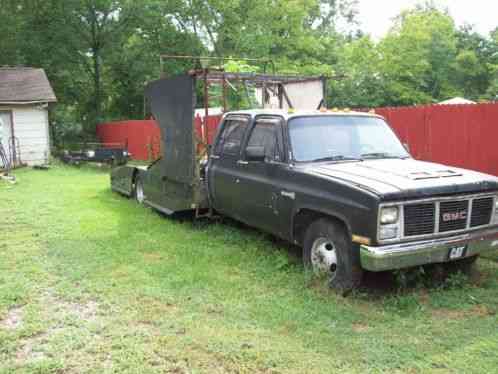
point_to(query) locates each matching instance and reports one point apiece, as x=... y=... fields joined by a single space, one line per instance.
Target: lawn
x=92 y=282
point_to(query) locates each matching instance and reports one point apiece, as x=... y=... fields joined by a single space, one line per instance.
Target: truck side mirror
x=255 y=153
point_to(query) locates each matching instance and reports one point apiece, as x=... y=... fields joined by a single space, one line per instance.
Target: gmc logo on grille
x=456 y=216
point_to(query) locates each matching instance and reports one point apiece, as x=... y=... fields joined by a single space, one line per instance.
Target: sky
x=376 y=16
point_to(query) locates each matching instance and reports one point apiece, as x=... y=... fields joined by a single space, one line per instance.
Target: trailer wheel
x=139 y=191
x=328 y=252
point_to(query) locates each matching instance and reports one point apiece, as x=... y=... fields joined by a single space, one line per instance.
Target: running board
x=159 y=208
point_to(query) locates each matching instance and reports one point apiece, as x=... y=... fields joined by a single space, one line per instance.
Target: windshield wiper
x=378 y=155
x=337 y=158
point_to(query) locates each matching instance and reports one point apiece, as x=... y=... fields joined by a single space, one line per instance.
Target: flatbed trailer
x=112 y=153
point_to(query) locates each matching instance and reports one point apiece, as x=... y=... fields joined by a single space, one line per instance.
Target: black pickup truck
x=339 y=184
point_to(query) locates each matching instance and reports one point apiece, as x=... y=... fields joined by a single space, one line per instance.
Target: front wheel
x=139 y=191
x=329 y=252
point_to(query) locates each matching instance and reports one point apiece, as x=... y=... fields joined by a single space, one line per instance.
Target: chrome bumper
x=405 y=255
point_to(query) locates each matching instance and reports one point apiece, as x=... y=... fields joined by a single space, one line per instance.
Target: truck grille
x=481 y=211
x=419 y=219
x=453 y=215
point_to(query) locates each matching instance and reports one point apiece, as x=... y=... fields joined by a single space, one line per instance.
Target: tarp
x=172 y=103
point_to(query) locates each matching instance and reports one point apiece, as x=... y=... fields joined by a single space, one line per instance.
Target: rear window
x=231 y=137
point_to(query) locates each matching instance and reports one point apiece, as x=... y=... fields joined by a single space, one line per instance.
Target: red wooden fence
x=139 y=134
x=457 y=135
x=143 y=136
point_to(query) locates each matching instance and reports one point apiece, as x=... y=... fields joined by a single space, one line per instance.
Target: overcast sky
x=376 y=15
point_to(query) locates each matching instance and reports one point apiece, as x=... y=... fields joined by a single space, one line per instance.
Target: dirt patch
x=360 y=327
x=31 y=349
x=448 y=314
x=152 y=257
x=85 y=311
x=13 y=320
x=477 y=310
x=483 y=311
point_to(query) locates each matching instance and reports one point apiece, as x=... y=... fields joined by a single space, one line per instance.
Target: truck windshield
x=343 y=138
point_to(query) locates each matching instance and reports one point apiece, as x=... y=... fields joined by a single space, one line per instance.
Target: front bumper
x=405 y=255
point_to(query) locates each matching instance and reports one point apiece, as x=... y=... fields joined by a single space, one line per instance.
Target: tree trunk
x=97 y=81
x=97 y=85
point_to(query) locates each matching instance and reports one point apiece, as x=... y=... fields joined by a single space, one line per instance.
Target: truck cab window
x=231 y=137
x=264 y=135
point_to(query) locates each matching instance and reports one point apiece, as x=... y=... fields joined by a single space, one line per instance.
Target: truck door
x=262 y=180
x=224 y=166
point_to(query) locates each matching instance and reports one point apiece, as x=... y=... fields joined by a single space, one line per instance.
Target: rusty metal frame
x=265 y=81
x=214 y=76
x=264 y=61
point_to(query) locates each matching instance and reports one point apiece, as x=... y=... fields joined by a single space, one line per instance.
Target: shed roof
x=22 y=85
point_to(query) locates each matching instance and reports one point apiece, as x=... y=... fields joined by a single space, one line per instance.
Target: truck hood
x=393 y=179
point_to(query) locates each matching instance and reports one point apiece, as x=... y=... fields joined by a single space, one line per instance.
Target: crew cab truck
x=339 y=184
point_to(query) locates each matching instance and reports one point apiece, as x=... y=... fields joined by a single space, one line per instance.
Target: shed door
x=5 y=129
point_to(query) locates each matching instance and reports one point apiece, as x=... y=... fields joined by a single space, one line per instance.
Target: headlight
x=388 y=232
x=389 y=223
x=389 y=215
x=90 y=153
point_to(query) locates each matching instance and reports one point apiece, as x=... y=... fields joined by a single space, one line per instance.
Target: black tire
x=138 y=190
x=345 y=274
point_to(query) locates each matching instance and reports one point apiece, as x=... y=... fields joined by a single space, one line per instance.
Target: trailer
x=175 y=182
x=108 y=153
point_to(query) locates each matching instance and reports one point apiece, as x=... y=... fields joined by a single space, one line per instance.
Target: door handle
x=290 y=195
x=242 y=162
x=214 y=157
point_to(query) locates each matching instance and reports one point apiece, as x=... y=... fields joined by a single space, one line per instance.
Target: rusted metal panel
x=172 y=103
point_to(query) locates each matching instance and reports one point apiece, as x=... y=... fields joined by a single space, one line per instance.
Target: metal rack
x=268 y=84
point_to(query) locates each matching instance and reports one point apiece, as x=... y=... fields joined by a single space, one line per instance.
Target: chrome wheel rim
x=324 y=257
x=140 y=192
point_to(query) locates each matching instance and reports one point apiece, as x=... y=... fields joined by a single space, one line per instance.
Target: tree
x=473 y=73
x=492 y=91
x=99 y=27
x=361 y=84
x=137 y=61
x=418 y=55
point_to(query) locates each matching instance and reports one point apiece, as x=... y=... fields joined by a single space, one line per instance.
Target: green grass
x=92 y=282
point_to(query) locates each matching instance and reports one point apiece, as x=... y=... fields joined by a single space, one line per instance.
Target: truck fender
x=123 y=179
x=303 y=216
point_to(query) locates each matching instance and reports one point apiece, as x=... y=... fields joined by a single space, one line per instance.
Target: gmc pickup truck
x=339 y=184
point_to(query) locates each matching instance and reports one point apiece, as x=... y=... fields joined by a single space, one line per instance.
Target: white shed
x=25 y=94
